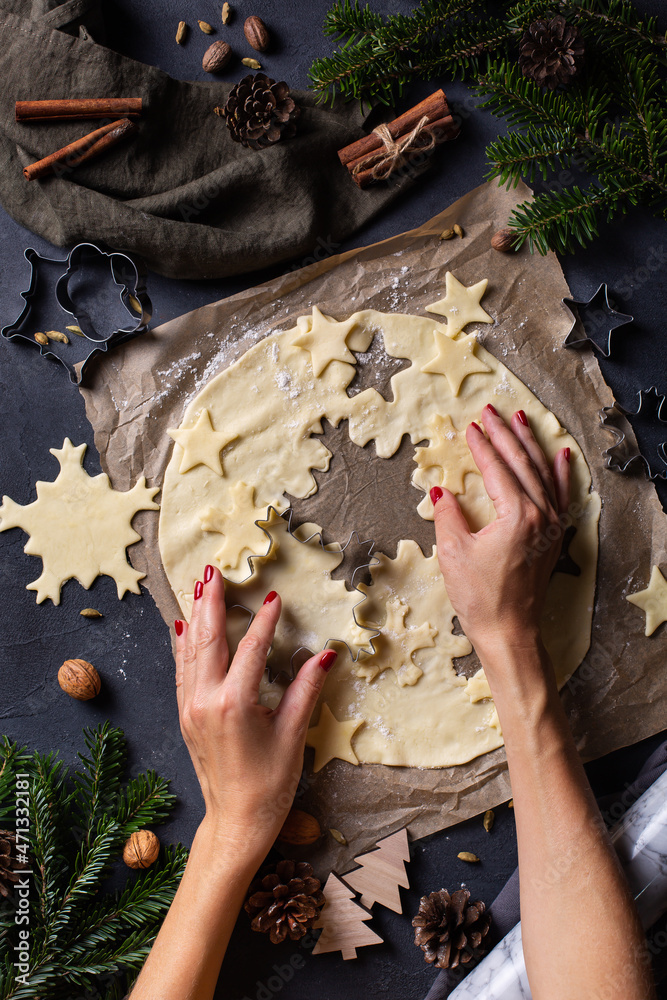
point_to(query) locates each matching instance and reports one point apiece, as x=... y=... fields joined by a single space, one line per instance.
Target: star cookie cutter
x=300 y=652
x=593 y=321
x=624 y=456
x=126 y=275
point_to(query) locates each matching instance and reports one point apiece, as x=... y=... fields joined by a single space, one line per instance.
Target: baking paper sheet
x=619 y=695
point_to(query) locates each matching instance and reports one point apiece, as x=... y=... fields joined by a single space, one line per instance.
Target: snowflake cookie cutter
x=624 y=456
x=593 y=321
x=125 y=274
x=354 y=539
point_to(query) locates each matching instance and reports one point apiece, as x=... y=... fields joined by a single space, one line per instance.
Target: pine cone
x=9 y=863
x=285 y=902
x=260 y=111
x=450 y=929
x=551 y=52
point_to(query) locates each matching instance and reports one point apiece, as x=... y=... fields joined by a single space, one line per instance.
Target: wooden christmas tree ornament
x=381 y=873
x=343 y=921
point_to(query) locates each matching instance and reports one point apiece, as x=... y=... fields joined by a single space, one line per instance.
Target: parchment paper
x=619 y=695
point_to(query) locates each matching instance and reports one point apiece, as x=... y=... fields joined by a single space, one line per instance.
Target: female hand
x=497 y=578
x=248 y=758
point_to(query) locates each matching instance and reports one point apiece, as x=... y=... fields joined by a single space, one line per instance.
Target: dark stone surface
x=131 y=646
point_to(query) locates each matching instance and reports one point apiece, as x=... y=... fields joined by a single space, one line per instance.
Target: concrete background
x=131 y=645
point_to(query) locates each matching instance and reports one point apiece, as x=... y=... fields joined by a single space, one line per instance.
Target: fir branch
x=347 y=19
x=11 y=758
x=529 y=154
x=145 y=800
x=97 y=785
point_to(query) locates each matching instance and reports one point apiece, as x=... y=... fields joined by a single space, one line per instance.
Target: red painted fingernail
x=522 y=417
x=199 y=589
x=477 y=427
x=328 y=659
x=178 y=625
x=566 y=452
x=435 y=494
x=208 y=574
x=492 y=408
x=270 y=597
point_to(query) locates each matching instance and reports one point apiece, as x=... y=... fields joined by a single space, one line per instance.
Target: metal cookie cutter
x=594 y=322
x=651 y=415
x=359 y=567
x=48 y=274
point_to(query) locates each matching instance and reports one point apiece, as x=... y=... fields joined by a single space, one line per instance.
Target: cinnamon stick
x=83 y=149
x=442 y=131
x=94 y=107
x=447 y=129
x=435 y=108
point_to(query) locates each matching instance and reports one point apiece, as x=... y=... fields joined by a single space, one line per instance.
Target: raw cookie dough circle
x=417 y=710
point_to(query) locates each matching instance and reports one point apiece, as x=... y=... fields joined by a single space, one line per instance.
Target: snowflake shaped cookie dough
x=396 y=645
x=325 y=340
x=79 y=526
x=652 y=601
x=461 y=304
x=447 y=459
x=331 y=738
x=201 y=444
x=243 y=537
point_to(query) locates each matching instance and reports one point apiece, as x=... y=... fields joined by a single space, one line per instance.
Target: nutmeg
x=141 y=849
x=216 y=57
x=504 y=240
x=79 y=679
x=256 y=33
x=300 y=828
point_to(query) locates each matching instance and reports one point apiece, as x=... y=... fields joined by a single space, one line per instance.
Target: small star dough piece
x=331 y=738
x=238 y=527
x=461 y=304
x=201 y=444
x=448 y=453
x=79 y=526
x=653 y=601
x=395 y=646
x=455 y=359
x=326 y=340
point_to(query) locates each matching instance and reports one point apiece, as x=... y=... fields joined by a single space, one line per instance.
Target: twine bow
x=395 y=152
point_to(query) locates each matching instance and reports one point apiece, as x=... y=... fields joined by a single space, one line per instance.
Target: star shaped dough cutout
x=331 y=738
x=326 y=340
x=79 y=526
x=653 y=601
x=201 y=444
x=448 y=452
x=456 y=359
x=238 y=527
x=405 y=641
x=461 y=304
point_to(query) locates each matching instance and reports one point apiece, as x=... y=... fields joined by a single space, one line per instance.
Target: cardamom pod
x=467 y=856
x=206 y=27
x=489 y=819
x=61 y=338
x=181 y=32
x=251 y=63
x=458 y=230
x=75 y=329
x=447 y=234
x=226 y=10
x=91 y=613
x=42 y=339
x=337 y=835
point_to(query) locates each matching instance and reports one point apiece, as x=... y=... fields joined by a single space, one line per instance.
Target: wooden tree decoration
x=382 y=872
x=342 y=921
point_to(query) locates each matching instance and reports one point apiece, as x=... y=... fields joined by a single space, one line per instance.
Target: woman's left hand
x=248 y=758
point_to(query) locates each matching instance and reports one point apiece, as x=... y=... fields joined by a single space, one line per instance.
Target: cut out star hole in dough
x=325 y=340
x=331 y=738
x=447 y=459
x=242 y=536
x=201 y=444
x=455 y=359
x=653 y=601
x=395 y=646
x=79 y=526
x=461 y=304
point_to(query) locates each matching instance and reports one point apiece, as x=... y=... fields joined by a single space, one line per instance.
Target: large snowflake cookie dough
x=248 y=441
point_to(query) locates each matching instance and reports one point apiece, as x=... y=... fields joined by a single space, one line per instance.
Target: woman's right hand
x=497 y=578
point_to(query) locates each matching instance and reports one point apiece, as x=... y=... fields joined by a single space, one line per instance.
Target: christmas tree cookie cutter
x=624 y=456
x=594 y=322
x=301 y=653
x=83 y=259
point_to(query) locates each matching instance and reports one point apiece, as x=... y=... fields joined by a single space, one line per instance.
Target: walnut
x=79 y=679
x=141 y=849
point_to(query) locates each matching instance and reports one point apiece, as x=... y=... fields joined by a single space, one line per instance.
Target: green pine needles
x=600 y=144
x=68 y=933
